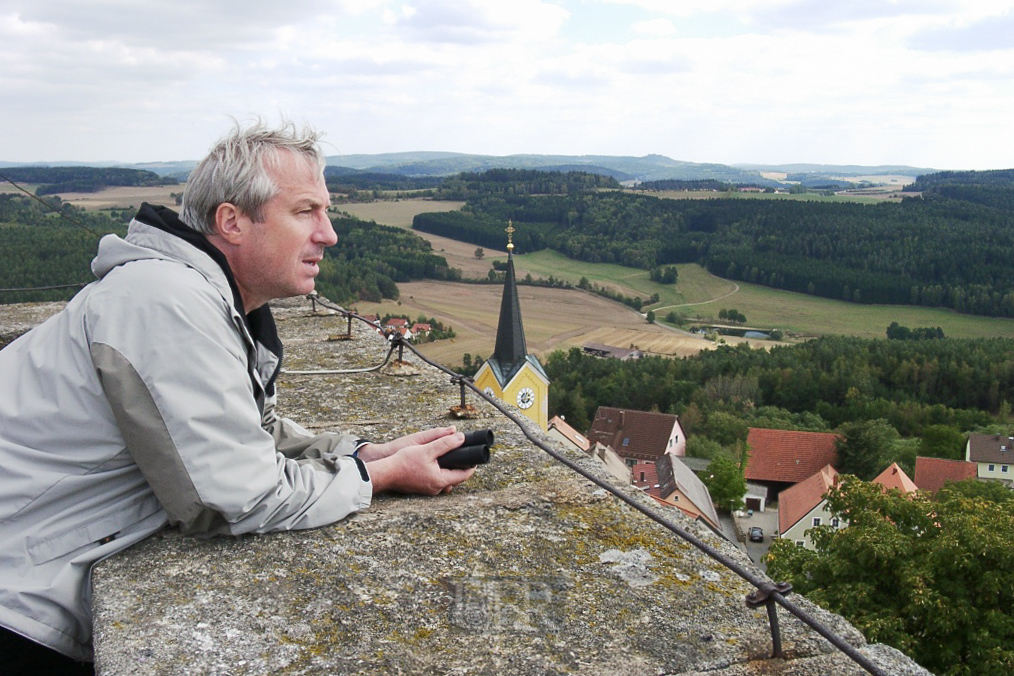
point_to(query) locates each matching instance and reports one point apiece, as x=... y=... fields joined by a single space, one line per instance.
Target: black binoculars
x=473 y=451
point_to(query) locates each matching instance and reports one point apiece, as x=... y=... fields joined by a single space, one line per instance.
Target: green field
x=700 y=294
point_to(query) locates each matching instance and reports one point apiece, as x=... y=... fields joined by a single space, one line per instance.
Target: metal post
x=763 y=596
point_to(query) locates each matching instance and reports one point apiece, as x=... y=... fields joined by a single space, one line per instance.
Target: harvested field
x=123 y=197
x=554 y=319
x=397 y=212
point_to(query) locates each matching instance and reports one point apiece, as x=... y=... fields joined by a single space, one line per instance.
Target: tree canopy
x=927 y=575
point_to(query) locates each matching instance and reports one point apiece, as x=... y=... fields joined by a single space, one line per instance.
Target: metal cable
x=767 y=593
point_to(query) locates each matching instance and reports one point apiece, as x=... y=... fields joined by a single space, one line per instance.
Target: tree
x=862 y=447
x=725 y=483
x=942 y=441
x=650 y=316
x=929 y=576
x=479 y=253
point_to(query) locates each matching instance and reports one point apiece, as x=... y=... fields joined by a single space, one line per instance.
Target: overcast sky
x=926 y=83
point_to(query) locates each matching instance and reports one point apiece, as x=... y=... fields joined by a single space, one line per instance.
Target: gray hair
x=236 y=171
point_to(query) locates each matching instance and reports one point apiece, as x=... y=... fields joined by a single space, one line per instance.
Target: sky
x=924 y=83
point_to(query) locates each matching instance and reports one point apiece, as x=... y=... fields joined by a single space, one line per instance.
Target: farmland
x=557 y=318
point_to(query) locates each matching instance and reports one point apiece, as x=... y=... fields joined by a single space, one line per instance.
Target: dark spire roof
x=510 y=349
x=510 y=352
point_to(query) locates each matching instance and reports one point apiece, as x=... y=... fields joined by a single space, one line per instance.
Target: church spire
x=510 y=351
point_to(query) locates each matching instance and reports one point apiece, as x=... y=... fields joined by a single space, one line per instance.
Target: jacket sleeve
x=294 y=441
x=174 y=369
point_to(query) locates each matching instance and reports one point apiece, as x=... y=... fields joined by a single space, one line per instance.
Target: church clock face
x=526 y=398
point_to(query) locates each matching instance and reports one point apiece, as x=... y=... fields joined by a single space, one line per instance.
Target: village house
x=994 y=456
x=610 y=352
x=804 y=505
x=894 y=478
x=932 y=473
x=779 y=459
x=672 y=483
x=638 y=436
x=559 y=430
x=614 y=464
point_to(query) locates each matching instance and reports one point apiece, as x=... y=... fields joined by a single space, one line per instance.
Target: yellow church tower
x=511 y=374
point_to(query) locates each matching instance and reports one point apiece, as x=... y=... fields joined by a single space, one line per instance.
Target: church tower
x=511 y=374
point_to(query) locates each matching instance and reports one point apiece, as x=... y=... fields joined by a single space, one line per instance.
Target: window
x=1003 y=468
x=834 y=522
x=626 y=441
x=816 y=521
x=800 y=543
x=992 y=468
x=642 y=476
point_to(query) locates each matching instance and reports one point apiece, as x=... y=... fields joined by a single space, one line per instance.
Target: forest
x=52 y=243
x=948 y=247
x=54 y=180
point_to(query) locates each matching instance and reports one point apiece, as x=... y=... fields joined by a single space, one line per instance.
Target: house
x=994 y=455
x=397 y=323
x=803 y=506
x=638 y=436
x=756 y=497
x=780 y=458
x=560 y=431
x=610 y=352
x=932 y=473
x=894 y=478
x=672 y=483
x=614 y=463
x=421 y=328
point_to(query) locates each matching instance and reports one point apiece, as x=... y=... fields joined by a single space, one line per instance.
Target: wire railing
x=767 y=593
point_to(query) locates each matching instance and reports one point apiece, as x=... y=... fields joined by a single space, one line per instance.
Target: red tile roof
x=650 y=481
x=932 y=473
x=796 y=502
x=788 y=456
x=895 y=477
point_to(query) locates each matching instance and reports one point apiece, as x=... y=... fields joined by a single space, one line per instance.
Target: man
x=149 y=401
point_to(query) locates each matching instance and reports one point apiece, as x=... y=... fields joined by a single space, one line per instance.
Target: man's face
x=279 y=257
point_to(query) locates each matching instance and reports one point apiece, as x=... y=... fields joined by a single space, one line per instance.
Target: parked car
x=756 y=534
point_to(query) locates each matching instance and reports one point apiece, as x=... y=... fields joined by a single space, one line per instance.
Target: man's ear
x=229 y=222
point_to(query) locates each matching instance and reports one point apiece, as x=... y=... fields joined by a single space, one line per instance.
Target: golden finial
x=510 y=235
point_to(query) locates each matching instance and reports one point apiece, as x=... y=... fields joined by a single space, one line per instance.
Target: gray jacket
x=148 y=401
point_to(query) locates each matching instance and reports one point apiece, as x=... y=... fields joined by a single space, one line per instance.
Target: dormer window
x=626 y=441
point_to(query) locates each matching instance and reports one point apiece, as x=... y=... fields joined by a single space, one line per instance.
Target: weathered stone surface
x=527 y=568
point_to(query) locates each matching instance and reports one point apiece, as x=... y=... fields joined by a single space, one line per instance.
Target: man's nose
x=325 y=232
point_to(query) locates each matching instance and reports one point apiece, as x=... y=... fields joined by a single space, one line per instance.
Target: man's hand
x=371 y=452
x=409 y=464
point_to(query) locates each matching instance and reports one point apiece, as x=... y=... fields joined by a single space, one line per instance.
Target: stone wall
x=527 y=568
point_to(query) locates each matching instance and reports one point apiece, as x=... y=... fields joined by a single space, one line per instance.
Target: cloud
x=995 y=33
x=660 y=27
x=479 y=21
